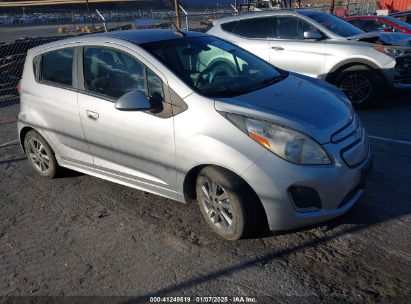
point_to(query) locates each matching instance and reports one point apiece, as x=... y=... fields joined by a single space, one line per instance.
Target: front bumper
x=339 y=186
x=399 y=76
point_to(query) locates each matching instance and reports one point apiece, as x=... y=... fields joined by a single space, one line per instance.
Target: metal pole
x=88 y=11
x=332 y=7
x=186 y=14
x=177 y=9
x=102 y=18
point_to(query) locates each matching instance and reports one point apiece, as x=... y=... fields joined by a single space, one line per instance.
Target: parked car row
x=380 y=23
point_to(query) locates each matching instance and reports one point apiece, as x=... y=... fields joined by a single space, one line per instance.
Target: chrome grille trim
x=346 y=131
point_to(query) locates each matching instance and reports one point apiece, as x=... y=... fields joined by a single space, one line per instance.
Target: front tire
x=362 y=85
x=40 y=154
x=227 y=204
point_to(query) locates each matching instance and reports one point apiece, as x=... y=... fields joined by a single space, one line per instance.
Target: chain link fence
x=13 y=55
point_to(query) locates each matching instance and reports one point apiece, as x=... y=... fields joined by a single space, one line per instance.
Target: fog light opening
x=305 y=199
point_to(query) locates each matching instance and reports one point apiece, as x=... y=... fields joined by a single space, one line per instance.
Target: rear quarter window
x=57 y=67
x=229 y=26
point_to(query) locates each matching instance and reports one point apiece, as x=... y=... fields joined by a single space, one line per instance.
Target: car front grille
x=403 y=68
x=356 y=153
x=346 y=131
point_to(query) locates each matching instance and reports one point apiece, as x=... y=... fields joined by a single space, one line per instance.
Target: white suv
x=320 y=45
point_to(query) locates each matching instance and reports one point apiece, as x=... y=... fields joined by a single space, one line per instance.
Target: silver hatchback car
x=192 y=117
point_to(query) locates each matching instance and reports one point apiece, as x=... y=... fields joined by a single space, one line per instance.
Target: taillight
x=18 y=87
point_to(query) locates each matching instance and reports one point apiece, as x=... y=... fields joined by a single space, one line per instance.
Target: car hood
x=399 y=39
x=309 y=105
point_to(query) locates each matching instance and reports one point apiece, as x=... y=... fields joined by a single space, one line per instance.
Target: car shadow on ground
x=67 y=173
x=370 y=211
x=250 y=263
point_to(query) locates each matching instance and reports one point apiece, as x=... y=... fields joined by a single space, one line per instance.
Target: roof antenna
x=177 y=29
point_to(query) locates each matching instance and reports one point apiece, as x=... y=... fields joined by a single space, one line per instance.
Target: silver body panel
x=156 y=154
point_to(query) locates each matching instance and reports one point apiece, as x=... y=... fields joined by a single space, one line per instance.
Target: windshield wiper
x=224 y=92
x=264 y=83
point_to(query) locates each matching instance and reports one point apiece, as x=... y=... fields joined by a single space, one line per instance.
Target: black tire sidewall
x=244 y=221
x=52 y=159
x=374 y=78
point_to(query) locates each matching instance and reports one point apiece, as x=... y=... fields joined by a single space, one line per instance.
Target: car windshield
x=214 y=67
x=333 y=23
x=398 y=22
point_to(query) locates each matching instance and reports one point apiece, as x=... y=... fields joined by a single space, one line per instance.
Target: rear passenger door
x=54 y=107
x=291 y=51
x=134 y=144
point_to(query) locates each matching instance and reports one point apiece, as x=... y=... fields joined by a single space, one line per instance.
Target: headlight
x=390 y=51
x=288 y=144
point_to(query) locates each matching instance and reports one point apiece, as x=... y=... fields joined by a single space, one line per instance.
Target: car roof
x=267 y=13
x=137 y=37
x=257 y=14
x=366 y=17
x=147 y=36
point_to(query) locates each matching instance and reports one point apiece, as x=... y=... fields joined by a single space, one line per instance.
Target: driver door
x=290 y=51
x=138 y=146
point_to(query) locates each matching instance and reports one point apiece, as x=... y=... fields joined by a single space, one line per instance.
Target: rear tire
x=227 y=203
x=40 y=155
x=362 y=85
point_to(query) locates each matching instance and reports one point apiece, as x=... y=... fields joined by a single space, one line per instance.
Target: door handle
x=92 y=115
x=277 y=48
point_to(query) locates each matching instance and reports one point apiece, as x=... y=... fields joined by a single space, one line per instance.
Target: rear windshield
x=214 y=67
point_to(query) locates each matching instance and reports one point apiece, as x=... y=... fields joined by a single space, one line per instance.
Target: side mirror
x=313 y=34
x=134 y=101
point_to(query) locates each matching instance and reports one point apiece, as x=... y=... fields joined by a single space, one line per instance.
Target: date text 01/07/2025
x=203 y=299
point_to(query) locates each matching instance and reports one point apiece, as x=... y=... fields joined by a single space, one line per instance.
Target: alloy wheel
x=357 y=87
x=217 y=205
x=38 y=155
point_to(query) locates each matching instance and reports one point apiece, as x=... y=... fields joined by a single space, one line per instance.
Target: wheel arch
x=27 y=128
x=189 y=189
x=22 y=135
x=343 y=65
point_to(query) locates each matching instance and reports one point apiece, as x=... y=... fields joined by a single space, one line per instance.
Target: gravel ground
x=78 y=235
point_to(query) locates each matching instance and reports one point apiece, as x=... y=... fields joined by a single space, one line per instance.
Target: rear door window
x=229 y=26
x=291 y=28
x=57 y=67
x=256 y=28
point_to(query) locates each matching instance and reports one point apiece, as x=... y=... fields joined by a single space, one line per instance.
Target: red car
x=379 y=23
